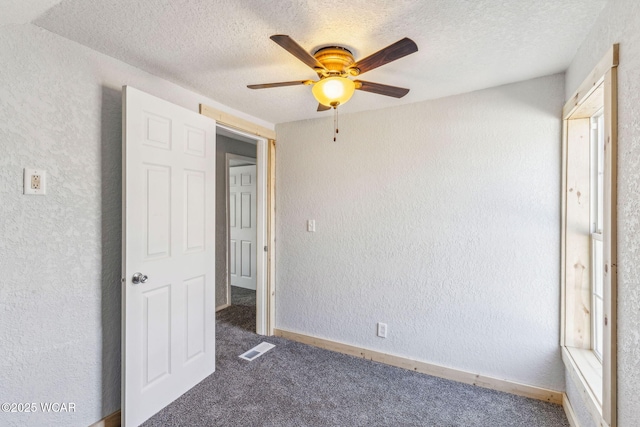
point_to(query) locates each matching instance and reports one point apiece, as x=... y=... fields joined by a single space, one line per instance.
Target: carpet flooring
x=297 y=385
x=242 y=296
x=242 y=312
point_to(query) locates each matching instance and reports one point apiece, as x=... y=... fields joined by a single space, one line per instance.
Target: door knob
x=139 y=278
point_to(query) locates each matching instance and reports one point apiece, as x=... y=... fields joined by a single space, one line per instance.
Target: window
x=589 y=276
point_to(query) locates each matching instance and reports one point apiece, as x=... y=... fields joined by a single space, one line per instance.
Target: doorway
x=242 y=238
x=241 y=229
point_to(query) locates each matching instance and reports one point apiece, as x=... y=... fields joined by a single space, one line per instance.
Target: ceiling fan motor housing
x=336 y=60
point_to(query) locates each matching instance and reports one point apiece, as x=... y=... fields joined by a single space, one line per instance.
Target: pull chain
x=335 y=123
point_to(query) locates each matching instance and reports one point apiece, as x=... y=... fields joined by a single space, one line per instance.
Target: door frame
x=267 y=150
x=263 y=302
x=227 y=160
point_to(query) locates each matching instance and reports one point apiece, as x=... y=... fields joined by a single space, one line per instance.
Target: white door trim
x=261 y=221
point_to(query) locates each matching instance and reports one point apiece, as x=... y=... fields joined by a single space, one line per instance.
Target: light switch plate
x=311 y=225
x=35 y=182
x=382 y=330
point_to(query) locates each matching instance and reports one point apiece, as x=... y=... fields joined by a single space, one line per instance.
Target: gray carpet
x=242 y=296
x=242 y=312
x=298 y=385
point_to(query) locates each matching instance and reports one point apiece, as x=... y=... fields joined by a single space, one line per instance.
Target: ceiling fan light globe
x=333 y=90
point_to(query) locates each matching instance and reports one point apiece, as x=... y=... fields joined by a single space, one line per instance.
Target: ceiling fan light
x=332 y=91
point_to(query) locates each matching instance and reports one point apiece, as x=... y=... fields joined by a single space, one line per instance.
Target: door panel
x=194 y=211
x=246 y=199
x=196 y=320
x=246 y=259
x=169 y=235
x=157 y=332
x=157 y=210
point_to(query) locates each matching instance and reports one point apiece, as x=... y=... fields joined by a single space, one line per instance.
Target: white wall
x=439 y=218
x=619 y=22
x=574 y=395
x=60 y=110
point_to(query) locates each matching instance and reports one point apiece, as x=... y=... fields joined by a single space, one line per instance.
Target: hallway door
x=242 y=226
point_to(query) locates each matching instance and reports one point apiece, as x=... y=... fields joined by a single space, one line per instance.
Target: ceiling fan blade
x=280 y=84
x=322 y=107
x=296 y=50
x=390 y=53
x=380 y=89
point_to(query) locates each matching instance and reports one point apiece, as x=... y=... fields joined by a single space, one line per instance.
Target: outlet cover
x=35 y=182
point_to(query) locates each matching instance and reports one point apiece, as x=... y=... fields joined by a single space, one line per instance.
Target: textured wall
x=225 y=145
x=579 y=408
x=620 y=23
x=440 y=218
x=582 y=414
x=60 y=110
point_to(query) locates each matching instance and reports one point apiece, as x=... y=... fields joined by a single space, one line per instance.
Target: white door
x=168 y=321
x=242 y=226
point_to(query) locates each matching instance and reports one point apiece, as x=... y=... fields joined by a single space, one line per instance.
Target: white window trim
x=597 y=385
x=595 y=237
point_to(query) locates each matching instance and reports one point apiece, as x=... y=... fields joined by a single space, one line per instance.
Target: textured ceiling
x=218 y=47
x=23 y=11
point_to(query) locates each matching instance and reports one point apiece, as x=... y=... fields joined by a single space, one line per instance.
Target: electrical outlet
x=382 y=330
x=35 y=182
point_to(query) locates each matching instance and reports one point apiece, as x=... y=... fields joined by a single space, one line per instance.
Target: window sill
x=585 y=371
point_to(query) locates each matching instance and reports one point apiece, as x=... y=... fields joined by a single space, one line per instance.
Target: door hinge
x=265 y=249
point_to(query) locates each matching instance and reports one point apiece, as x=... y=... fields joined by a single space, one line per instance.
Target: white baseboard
x=568 y=410
x=112 y=420
x=244 y=287
x=428 y=368
x=222 y=307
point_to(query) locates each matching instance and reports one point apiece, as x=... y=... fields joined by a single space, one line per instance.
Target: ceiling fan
x=335 y=64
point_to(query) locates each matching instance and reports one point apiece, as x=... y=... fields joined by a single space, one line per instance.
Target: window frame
x=596 y=220
x=596 y=380
x=597 y=341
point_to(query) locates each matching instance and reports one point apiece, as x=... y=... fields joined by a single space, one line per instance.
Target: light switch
x=35 y=182
x=311 y=225
x=382 y=330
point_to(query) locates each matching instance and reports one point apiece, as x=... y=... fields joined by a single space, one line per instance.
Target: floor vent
x=256 y=351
